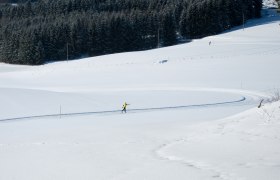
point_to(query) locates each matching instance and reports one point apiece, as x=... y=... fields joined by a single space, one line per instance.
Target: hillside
x=192 y=115
x=36 y=32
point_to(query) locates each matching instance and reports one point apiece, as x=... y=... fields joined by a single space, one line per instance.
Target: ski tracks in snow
x=246 y=97
x=204 y=167
x=243 y=132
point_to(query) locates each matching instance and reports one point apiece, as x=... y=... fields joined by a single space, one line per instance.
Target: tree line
x=34 y=32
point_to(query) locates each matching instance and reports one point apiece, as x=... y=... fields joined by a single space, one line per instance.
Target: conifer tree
x=36 y=31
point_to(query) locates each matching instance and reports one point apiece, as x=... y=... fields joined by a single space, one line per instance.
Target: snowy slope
x=245 y=146
x=270 y=4
x=185 y=120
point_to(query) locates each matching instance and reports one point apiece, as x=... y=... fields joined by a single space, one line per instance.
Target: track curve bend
x=130 y=110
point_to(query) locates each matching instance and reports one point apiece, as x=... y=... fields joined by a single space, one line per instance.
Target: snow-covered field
x=192 y=115
x=270 y=3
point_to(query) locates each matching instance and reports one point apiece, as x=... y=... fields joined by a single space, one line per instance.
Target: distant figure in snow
x=124 y=107
x=209 y=43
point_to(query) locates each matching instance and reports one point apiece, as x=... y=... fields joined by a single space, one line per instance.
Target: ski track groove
x=201 y=166
x=130 y=110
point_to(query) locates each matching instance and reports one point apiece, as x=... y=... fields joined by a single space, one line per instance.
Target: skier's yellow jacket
x=124 y=105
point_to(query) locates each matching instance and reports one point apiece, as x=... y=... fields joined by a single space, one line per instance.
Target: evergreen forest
x=35 y=32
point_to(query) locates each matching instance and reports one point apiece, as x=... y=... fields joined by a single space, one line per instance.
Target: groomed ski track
x=130 y=110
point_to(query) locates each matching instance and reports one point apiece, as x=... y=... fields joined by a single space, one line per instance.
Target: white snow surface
x=270 y=4
x=194 y=116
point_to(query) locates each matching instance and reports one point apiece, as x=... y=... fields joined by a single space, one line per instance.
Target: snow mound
x=245 y=146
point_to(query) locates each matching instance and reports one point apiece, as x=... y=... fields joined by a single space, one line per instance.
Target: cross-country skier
x=124 y=107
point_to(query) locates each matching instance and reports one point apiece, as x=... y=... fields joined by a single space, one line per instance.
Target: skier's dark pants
x=124 y=110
